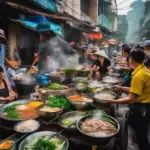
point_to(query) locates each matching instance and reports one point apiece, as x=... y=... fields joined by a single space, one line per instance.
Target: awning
x=104 y=21
x=93 y=35
x=31 y=22
x=36 y=12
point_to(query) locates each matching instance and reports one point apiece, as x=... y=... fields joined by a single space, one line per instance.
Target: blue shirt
x=2 y=56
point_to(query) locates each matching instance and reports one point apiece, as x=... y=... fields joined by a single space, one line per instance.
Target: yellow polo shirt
x=140 y=84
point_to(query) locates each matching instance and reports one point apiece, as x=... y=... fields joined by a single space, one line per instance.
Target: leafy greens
x=59 y=101
x=11 y=111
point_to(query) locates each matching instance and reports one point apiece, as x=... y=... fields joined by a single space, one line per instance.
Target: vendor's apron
x=4 y=92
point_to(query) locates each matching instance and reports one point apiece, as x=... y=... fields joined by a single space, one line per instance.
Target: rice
x=27 y=126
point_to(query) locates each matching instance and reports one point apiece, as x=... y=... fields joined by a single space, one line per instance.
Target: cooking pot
x=24 y=87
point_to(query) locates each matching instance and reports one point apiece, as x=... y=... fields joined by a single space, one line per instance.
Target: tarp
x=33 y=21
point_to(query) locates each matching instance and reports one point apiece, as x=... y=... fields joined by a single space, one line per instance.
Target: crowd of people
x=136 y=80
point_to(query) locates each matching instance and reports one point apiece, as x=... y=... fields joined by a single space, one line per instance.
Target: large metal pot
x=99 y=139
x=24 y=87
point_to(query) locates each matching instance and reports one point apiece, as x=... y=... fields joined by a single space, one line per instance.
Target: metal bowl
x=31 y=137
x=68 y=115
x=103 y=101
x=48 y=115
x=98 y=138
x=111 y=80
x=79 y=105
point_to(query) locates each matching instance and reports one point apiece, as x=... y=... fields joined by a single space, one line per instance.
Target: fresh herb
x=69 y=70
x=59 y=101
x=87 y=91
x=107 y=119
x=55 y=86
x=42 y=144
x=11 y=111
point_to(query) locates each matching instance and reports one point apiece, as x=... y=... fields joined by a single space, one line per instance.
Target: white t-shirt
x=11 y=74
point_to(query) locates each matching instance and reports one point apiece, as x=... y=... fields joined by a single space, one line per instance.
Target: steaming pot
x=25 y=88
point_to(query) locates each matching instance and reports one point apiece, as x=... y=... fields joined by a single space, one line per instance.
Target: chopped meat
x=94 y=125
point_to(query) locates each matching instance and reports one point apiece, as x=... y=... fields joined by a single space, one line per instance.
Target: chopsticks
x=14 y=144
x=58 y=133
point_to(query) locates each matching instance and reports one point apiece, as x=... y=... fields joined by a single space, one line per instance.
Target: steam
x=134 y=19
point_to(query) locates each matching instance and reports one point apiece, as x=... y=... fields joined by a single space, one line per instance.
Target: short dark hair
x=125 y=45
x=1 y=69
x=84 y=50
x=140 y=47
x=137 y=55
x=127 y=50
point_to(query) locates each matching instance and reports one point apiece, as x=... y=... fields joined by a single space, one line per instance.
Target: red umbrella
x=112 y=41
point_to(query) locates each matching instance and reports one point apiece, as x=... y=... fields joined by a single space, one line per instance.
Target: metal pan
x=22 y=102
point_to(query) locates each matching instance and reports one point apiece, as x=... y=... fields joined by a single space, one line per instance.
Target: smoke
x=134 y=19
x=59 y=51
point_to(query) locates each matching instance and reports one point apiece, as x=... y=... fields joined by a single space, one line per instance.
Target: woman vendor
x=6 y=94
x=138 y=98
x=103 y=64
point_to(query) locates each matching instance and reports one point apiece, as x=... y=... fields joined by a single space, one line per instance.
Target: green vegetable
x=105 y=118
x=69 y=70
x=11 y=111
x=88 y=90
x=45 y=144
x=55 y=86
x=68 y=121
x=41 y=144
x=59 y=101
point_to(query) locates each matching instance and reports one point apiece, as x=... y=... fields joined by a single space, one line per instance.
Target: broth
x=27 y=113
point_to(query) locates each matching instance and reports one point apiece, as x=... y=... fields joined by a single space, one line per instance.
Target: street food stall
x=66 y=115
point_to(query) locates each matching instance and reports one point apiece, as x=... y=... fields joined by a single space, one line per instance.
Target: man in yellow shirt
x=138 y=98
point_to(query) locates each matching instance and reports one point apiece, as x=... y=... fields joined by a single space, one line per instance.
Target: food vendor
x=6 y=94
x=103 y=63
x=138 y=98
x=84 y=59
x=52 y=50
